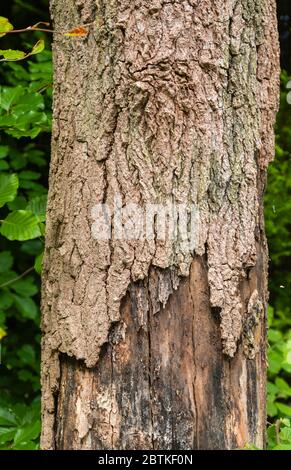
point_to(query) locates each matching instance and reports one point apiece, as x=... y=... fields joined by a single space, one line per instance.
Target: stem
x=29 y=28
x=44 y=30
x=17 y=278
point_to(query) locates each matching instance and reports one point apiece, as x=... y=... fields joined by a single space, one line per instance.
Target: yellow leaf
x=4 y=26
x=2 y=333
x=11 y=54
x=80 y=31
x=38 y=47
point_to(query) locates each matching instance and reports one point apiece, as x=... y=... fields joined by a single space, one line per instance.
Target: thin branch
x=29 y=28
x=17 y=278
x=44 y=30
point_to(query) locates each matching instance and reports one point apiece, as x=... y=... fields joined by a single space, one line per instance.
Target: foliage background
x=25 y=119
x=25 y=116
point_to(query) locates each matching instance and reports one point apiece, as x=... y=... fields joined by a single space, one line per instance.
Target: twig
x=45 y=30
x=29 y=28
x=17 y=278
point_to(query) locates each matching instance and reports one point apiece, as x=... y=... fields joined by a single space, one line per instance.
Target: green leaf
x=38 y=47
x=37 y=206
x=5 y=26
x=27 y=433
x=20 y=225
x=286 y=367
x=6 y=300
x=287 y=358
x=284 y=388
x=28 y=102
x=26 y=184
x=38 y=263
x=7 y=417
x=10 y=95
x=29 y=175
x=26 y=306
x=42 y=228
x=270 y=315
x=282 y=447
x=2 y=318
x=284 y=409
x=8 y=188
x=274 y=336
x=11 y=54
x=27 y=354
x=7 y=434
x=25 y=288
x=271 y=409
x=272 y=435
x=26 y=446
x=271 y=388
x=285 y=434
x=4 y=150
x=7 y=276
x=25 y=375
x=37 y=157
x=275 y=361
x=6 y=261
x=19 y=203
x=3 y=333
x=17 y=73
x=286 y=422
x=32 y=247
x=4 y=165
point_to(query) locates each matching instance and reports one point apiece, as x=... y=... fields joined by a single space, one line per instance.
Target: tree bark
x=152 y=343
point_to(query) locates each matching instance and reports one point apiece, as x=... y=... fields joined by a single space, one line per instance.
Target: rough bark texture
x=149 y=344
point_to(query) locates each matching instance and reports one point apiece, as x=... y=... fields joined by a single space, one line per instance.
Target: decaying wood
x=150 y=344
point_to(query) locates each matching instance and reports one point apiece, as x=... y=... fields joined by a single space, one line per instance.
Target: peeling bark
x=150 y=344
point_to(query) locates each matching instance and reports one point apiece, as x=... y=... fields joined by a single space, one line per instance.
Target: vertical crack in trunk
x=196 y=417
x=150 y=384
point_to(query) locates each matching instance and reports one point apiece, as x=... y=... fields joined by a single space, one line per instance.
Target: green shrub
x=25 y=121
x=278 y=225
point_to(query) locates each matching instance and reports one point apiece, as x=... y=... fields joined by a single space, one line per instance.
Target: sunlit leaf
x=5 y=26
x=3 y=333
x=7 y=434
x=27 y=434
x=9 y=95
x=285 y=409
x=285 y=434
x=12 y=54
x=38 y=47
x=37 y=206
x=282 y=447
x=8 y=188
x=20 y=225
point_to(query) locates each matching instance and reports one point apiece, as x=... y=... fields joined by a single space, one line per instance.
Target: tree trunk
x=153 y=341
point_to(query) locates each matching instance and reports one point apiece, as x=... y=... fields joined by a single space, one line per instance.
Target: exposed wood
x=165 y=384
